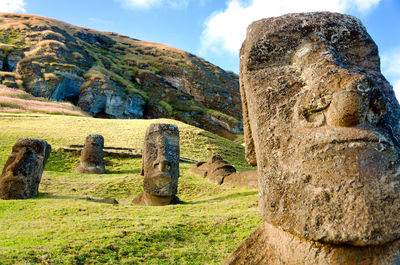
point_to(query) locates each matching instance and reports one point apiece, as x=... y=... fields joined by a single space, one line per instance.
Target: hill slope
x=61 y=226
x=113 y=76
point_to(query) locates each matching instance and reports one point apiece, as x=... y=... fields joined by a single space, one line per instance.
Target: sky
x=215 y=29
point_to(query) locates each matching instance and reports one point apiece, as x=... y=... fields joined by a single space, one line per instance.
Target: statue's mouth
x=351 y=137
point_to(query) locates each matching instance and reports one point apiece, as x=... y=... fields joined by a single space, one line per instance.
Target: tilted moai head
x=23 y=170
x=322 y=124
x=160 y=160
x=92 y=155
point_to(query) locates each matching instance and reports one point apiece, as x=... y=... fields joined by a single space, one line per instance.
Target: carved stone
x=160 y=165
x=323 y=124
x=92 y=156
x=23 y=170
x=215 y=170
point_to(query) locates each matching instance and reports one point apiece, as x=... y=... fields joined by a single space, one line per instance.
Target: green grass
x=61 y=227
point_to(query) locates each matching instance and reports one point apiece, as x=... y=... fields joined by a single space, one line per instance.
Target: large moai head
x=92 y=155
x=322 y=124
x=23 y=170
x=160 y=160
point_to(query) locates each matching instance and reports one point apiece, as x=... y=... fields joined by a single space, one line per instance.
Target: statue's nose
x=351 y=108
x=347 y=108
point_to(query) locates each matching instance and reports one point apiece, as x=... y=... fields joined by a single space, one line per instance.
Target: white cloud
x=13 y=6
x=148 y=4
x=226 y=30
x=396 y=89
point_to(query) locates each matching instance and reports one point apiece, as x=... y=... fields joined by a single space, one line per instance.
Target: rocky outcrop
x=112 y=76
x=23 y=170
x=323 y=124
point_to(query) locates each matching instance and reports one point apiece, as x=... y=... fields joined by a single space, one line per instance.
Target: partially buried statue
x=23 y=170
x=322 y=124
x=160 y=166
x=92 y=155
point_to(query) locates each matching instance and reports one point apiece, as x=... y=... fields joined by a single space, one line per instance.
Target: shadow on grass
x=226 y=197
x=117 y=171
x=42 y=196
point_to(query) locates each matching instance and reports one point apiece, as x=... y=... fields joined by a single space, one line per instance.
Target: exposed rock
x=324 y=124
x=101 y=99
x=92 y=155
x=160 y=165
x=270 y=245
x=114 y=76
x=23 y=170
x=67 y=88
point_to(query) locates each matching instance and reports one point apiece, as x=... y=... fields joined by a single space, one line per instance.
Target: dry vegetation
x=15 y=100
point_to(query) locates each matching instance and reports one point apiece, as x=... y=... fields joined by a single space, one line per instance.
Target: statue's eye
x=311 y=107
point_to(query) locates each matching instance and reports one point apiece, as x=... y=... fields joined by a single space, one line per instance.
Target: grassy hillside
x=61 y=226
x=114 y=76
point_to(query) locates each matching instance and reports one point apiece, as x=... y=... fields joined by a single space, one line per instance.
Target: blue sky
x=214 y=29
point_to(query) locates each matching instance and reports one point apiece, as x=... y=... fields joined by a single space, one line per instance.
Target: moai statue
x=322 y=124
x=160 y=165
x=92 y=155
x=215 y=170
x=23 y=170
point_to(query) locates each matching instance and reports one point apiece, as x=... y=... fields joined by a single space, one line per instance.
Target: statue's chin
x=341 y=193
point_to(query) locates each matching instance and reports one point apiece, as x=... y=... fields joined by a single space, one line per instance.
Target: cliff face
x=113 y=76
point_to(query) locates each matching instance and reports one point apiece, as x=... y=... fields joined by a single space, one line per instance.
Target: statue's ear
x=248 y=137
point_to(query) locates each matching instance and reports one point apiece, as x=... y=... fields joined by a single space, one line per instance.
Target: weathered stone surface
x=215 y=170
x=92 y=155
x=248 y=179
x=108 y=103
x=67 y=87
x=325 y=127
x=160 y=159
x=270 y=245
x=160 y=165
x=23 y=170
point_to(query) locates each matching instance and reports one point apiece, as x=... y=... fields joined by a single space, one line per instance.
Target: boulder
x=323 y=124
x=23 y=170
x=160 y=165
x=92 y=155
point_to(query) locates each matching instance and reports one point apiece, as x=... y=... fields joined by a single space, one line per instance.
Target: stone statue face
x=324 y=125
x=160 y=161
x=92 y=153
